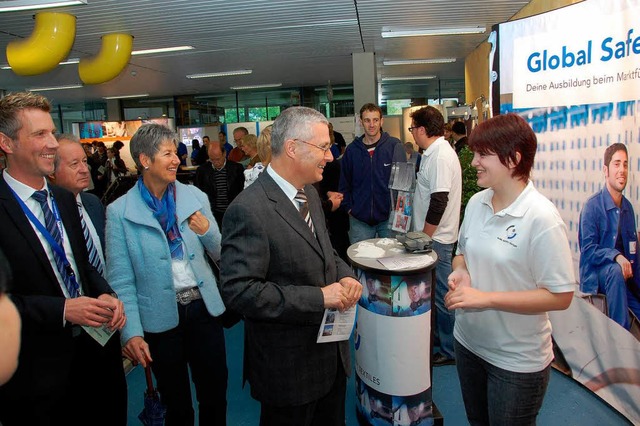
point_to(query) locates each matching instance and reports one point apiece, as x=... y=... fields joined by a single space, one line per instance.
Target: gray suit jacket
x=272 y=271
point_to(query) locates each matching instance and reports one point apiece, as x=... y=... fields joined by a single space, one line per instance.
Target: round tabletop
x=389 y=255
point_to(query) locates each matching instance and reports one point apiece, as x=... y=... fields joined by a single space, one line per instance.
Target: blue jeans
x=359 y=231
x=197 y=343
x=497 y=397
x=445 y=319
x=619 y=298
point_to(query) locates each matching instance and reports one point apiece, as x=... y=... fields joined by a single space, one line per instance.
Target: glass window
x=65 y=114
x=394 y=106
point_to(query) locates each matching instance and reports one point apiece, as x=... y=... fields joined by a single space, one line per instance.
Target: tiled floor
x=567 y=403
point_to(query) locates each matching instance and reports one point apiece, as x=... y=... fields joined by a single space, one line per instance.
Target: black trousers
x=197 y=343
x=326 y=411
x=92 y=391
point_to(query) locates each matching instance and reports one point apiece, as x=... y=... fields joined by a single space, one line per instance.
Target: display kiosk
x=393 y=337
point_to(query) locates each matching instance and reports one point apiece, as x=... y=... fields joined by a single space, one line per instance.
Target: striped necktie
x=94 y=256
x=301 y=198
x=50 y=222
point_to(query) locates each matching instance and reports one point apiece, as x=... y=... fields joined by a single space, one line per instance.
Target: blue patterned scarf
x=165 y=212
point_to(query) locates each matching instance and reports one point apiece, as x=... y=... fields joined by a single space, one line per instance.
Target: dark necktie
x=94 y=256
x=301 y=198
x=52 y=227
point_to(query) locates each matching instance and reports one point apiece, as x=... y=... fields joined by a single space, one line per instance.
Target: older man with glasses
x=280 y=272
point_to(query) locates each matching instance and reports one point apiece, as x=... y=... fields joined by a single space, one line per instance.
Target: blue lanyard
x=45 y=232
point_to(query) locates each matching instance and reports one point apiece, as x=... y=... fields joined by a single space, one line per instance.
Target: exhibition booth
x=573 y=73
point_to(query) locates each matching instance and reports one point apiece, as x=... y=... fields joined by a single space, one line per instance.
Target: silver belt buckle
x=187 y=296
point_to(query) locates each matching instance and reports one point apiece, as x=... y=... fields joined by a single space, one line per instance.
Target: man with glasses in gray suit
x=280 y=272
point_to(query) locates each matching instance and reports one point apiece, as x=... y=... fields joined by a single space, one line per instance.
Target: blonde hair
x=250 y=141
x=264 y=146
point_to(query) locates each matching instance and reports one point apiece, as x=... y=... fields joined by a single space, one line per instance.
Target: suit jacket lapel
x=284 y=207
x=22 y=224
x=95 y=210
x=70 y=219
x=317 y=216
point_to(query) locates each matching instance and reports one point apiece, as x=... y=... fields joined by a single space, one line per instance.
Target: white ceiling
x=294 y=42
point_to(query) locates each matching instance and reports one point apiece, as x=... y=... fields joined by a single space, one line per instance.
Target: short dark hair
x=611 y=150
x=459 y=128
x=431 y=119
x=505 y=135
x=370 y=107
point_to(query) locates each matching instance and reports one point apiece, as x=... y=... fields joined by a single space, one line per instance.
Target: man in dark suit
x=98 y=165
x=72 y=173
x=221 y=179
x=64 y=375
x=280 y=271
x=202 y=157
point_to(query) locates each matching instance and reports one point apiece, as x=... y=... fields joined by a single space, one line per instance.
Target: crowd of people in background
x=263 y=233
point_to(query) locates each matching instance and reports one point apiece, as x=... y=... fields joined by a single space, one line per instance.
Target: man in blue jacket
x=364 y=177
x=608 y=241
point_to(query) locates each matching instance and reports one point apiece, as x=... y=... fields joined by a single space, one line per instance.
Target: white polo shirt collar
x=516 y=209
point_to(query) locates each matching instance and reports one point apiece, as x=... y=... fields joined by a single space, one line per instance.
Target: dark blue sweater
x=364 y=179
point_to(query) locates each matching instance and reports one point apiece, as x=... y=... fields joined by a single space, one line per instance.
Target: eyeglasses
x=413 y=127
x=322 y=148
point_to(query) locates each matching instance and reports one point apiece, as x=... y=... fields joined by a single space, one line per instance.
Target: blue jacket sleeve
x=591 y=234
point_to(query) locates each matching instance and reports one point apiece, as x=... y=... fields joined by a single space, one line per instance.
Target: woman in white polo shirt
x=512 y=265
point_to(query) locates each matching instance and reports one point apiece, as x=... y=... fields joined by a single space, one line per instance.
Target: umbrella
x=153 y=412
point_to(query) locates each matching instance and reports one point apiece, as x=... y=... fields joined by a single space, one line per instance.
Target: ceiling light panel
x=161 y=50
x=419 y=61
x=220 y=74
x=141 y=95
x=16 y=5
x=256 y=86
x=421 y=32
x=413 y=77
x=44 y=89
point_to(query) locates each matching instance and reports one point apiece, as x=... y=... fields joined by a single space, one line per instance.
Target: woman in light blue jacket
x=158 y=235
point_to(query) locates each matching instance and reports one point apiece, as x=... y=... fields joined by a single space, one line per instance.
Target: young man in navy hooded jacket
x=364 y=177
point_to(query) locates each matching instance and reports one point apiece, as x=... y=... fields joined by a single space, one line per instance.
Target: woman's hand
x=198 y=223
x=460 y=294
x=466 y=297
x=137 y=350
x=459 y=277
